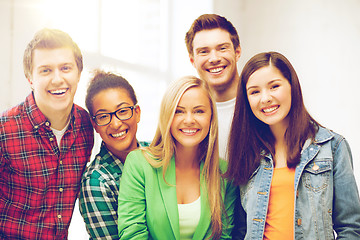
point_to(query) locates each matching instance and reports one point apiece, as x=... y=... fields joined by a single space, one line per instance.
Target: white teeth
x=189 y=130
x=58 y=91
x=216 y=70
x=120 y=134
x=267 y=110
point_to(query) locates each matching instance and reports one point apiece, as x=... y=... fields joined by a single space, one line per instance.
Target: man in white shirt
x=214 y=50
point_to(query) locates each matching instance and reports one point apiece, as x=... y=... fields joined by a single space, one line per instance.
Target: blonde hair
x=162 y=148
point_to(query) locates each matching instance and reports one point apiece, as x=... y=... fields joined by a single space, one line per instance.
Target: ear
x=192 y=61
x=238 y=53
x=137 y=113
x=95 y=126
x=31 y=83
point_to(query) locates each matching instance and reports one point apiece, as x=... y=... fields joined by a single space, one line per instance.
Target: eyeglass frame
x=114 y=113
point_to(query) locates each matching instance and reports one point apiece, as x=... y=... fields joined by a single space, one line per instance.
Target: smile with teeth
x=270 y=109
x=216 y=70
x=189 y=131
x=58 y=91
x=120 y=134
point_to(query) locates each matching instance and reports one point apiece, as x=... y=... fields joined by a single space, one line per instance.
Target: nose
x=214 y=57
x=189 y=118
x=115 y=122
x=265 y=97
x=57 y=78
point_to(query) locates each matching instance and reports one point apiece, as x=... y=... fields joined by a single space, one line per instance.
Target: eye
x=275 y=86
x=102 y=116
x=179 y=111
x=45 y=71
x=253 y=92
x=123 y=111
x=66 y=68
x=202 y=52
x=199 y=111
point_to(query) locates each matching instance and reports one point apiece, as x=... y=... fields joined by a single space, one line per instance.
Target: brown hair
x=209 y=22
x=249 y=136
x=50 y=39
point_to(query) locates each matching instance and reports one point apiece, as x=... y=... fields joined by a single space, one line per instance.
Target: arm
x=98 y=205
x=346 y=203
x=132 y=203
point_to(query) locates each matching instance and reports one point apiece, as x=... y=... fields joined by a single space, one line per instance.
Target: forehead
x=265 y=75
x=53 y=56
x=111 y=97
x=210 y=38
x=194 y=96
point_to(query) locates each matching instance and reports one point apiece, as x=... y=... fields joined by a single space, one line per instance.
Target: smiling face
x=192 y=118
x=215 y=58
x=119 y=136
x=269 y=95
x=54 y=80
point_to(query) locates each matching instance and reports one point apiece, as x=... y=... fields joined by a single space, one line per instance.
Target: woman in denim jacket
x=296 y=177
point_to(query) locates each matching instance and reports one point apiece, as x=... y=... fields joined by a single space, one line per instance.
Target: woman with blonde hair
x=173 y=189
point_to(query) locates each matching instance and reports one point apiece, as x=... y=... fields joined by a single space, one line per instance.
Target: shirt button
x=51 y=139
x=60 y=162
x=59 y=216
x=299 y=222
x=47 y=124
x=36 y=127
x=61 y=189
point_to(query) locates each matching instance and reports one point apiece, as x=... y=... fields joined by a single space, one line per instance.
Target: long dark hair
x=250 y=137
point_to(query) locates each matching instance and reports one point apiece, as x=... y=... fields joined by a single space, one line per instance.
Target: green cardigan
x=148 y=206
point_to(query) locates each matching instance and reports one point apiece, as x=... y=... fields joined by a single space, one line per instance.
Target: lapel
x=205 y=217
x=168 y=194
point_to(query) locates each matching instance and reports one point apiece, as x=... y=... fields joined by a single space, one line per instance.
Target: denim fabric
x=327 y=204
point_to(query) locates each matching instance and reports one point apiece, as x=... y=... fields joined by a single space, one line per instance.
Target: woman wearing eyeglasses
x=111 y=102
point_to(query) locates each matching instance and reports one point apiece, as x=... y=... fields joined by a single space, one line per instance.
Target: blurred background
x=143 y=40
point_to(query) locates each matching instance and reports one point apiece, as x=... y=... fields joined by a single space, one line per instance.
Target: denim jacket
x=326 y=195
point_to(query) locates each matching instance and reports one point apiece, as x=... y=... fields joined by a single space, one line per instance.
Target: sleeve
x=132 y=204
x=98 y=205
x=346 y=203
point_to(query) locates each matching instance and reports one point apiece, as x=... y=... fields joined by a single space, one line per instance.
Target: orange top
x=280 y=216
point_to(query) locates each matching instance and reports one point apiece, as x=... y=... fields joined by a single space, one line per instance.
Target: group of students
x=233 y=157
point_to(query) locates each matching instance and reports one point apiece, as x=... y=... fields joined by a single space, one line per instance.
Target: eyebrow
x=117 y=107
x=198 y=106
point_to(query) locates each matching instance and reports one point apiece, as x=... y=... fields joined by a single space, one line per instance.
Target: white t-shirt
x=60 y=133
x=225 y=115
x=189 y=217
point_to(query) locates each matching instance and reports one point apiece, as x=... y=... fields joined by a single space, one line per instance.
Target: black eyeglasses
x=122 y=114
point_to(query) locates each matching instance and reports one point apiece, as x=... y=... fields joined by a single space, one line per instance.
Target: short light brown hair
x=50 y=39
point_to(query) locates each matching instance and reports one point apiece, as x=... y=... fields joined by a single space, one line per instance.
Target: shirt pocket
x=317 y=174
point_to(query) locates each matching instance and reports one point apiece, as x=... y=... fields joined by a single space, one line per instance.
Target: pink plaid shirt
x=39 y=182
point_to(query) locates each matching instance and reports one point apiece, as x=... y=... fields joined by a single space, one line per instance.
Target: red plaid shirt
x=39 y=182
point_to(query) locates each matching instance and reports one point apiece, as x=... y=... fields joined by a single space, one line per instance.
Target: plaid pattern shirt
x=98 y=201
x=39 y=182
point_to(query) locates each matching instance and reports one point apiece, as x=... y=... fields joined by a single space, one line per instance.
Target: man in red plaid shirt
x=45 y=143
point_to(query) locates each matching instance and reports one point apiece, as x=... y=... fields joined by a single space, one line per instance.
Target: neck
x=228 y=92
x=58 y=120
x=186 y=157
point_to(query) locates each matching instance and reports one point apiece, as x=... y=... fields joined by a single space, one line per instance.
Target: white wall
x=320 y=37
